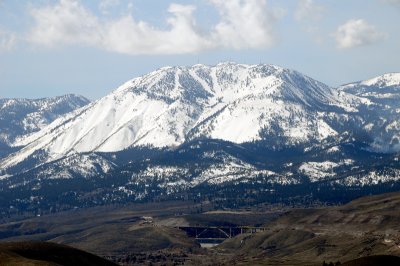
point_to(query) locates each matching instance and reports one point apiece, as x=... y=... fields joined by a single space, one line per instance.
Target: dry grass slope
x=365 y=227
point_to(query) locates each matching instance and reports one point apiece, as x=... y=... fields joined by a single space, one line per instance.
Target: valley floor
x=144 y=234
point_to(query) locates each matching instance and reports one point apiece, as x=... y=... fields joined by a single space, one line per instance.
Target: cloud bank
x=356 y=33
x=243 y=24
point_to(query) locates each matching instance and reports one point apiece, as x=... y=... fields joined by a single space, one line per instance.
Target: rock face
x=179 y=128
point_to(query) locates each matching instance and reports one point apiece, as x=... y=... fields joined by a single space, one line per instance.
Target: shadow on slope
x=374 y=261
x=44 y=253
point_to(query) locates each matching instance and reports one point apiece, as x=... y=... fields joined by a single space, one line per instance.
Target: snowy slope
x=382 y=116
x=21 y=117
x=233 y=102
x=381 y=89
x=386 y=80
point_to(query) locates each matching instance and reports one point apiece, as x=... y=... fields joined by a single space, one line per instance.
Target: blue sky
x=54 y=47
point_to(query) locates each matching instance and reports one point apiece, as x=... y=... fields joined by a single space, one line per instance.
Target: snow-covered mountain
x=233 y=102
x=183 y=128
x=382 y=90
x=21 y=117
x=383 y=115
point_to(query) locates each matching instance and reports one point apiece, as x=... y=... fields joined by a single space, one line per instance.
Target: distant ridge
x=20 y=117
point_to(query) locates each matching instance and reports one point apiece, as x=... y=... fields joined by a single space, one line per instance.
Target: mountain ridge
x=163 y=107
x=202 y=131
x=20 y=117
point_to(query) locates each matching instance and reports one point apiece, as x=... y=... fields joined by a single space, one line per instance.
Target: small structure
x=146 y=220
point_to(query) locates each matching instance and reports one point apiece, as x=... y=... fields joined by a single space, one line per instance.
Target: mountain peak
x=386 y=80
x=229 y=101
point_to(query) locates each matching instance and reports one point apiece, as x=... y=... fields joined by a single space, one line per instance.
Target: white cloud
x=65 y=23
x=357 y=32
x=7 y=40
x=128 y=36
x=243 y=24
x=308 y=10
